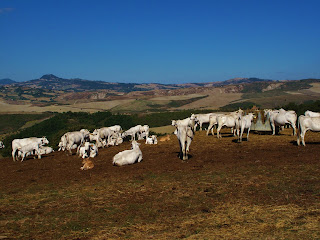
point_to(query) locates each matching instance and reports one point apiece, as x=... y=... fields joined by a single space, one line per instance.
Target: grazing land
x=265 y=188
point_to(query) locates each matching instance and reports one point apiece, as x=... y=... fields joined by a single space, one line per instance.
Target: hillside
x=55 y=94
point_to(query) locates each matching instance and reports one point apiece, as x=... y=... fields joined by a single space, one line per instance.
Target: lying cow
x=127 y=157
x=87 y=164
x=1 y=145
x=165 y=138
x=152 y=139
x=45 y=150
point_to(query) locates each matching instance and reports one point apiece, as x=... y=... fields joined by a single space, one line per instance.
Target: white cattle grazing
x=32 y=141
x=103 y=133
x=128 y=156
x=132 y=132
x=307 y=123
x=116 y=128
x=1 y=145
x=229 y=120
x=312 y=114
x=280 y=118
x=144 y=132
x=244 y=123
x=190 y=121
x=213 y=120
x=201 y=119
x=76 y=137
x=185 y=135
x=152 y=139
x=29 y=149
x=45 y=150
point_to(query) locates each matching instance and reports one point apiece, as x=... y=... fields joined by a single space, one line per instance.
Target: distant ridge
x=6 y=81
x=53 y=82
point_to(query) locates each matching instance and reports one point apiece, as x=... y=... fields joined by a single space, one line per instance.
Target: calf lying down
x=127 y=157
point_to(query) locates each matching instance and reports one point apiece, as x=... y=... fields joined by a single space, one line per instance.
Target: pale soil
x=217 y=98
x=78 y=107
x=179 y=97
x=163 y=130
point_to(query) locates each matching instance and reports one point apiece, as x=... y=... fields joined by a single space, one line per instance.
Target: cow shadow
x=307 y=143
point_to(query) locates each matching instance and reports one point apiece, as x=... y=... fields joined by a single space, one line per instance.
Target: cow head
x=44 y=141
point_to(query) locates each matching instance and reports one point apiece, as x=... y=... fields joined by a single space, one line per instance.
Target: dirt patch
x=265 y=188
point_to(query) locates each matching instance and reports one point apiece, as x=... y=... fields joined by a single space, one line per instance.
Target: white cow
x=311 y=114
x=76 y=137
x=229 y=120
x=152 y=139
x=93 y=150
x=190 y=121
x=185 y=135
x=1 y=145
x=280 y=118
x=45 y=150
x=33 y=148
x=144 y=132
x=84 y=150
x=115 y=139
x=132 y=132
x=31 y=142
x=307 y=123
x=128 y=156
x=244 y=123
x=201 y=119
x=103 y=133
x=213 y=120
x=116 y=128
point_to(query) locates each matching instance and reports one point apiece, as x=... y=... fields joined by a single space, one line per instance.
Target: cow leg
x=303 y=132
x=273 y=128
x=218 y=132
x=200 y=126
x=210 y=128
x=14 y=155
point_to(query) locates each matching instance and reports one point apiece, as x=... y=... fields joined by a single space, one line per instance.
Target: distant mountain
x=6 y=81
x=52 y=82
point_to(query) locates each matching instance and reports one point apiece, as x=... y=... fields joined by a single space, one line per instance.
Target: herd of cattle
x=110 y=136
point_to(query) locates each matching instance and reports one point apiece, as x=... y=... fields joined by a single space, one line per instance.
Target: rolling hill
x=52 y=93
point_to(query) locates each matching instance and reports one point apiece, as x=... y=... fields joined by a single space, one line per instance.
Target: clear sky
x=174 y=41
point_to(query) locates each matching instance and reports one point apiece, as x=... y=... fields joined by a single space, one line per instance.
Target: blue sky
x=161 y=41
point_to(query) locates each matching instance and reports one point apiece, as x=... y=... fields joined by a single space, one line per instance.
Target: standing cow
x=185 y=135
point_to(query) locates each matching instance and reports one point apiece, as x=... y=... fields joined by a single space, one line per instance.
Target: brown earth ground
x=265 y=188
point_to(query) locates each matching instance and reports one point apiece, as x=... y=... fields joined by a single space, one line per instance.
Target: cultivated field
x=267 y=188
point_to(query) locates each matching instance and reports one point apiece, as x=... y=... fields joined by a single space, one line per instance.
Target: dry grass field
x=265 y=188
